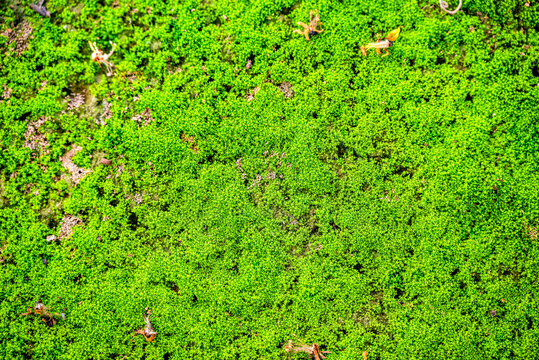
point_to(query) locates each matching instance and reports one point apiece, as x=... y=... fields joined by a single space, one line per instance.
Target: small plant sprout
x=100 y=58
x=382 y=44
x=46 y=315
x=311 y=28
x=148 y=332
x=313 y=350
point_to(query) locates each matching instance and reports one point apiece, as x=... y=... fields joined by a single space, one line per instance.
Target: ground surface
x=249 y=187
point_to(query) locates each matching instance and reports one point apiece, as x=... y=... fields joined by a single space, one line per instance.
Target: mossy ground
x=387 y=205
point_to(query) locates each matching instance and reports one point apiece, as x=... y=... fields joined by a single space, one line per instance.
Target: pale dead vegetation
x=7 y=92
x=144 y=118
x=68 y=222
x=34 y=140
x=77 y=173
x=75 y=101
x=251 y=94
x=286 y=89
x=19 y=36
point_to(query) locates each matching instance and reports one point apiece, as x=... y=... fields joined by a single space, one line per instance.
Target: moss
x=263 y=188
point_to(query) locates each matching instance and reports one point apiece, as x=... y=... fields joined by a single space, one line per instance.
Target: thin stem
x=444 y=7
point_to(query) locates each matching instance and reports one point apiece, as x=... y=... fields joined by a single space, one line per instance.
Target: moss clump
x=261 y=189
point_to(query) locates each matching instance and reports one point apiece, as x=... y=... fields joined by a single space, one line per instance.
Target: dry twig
x=314 y=21
x=148 y=332
x=444 y=7
x=313 y=350
x=99 y=57
x=40 y=9
x=46 y=316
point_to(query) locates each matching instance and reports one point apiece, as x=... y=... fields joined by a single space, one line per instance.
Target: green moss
x=264 y=188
